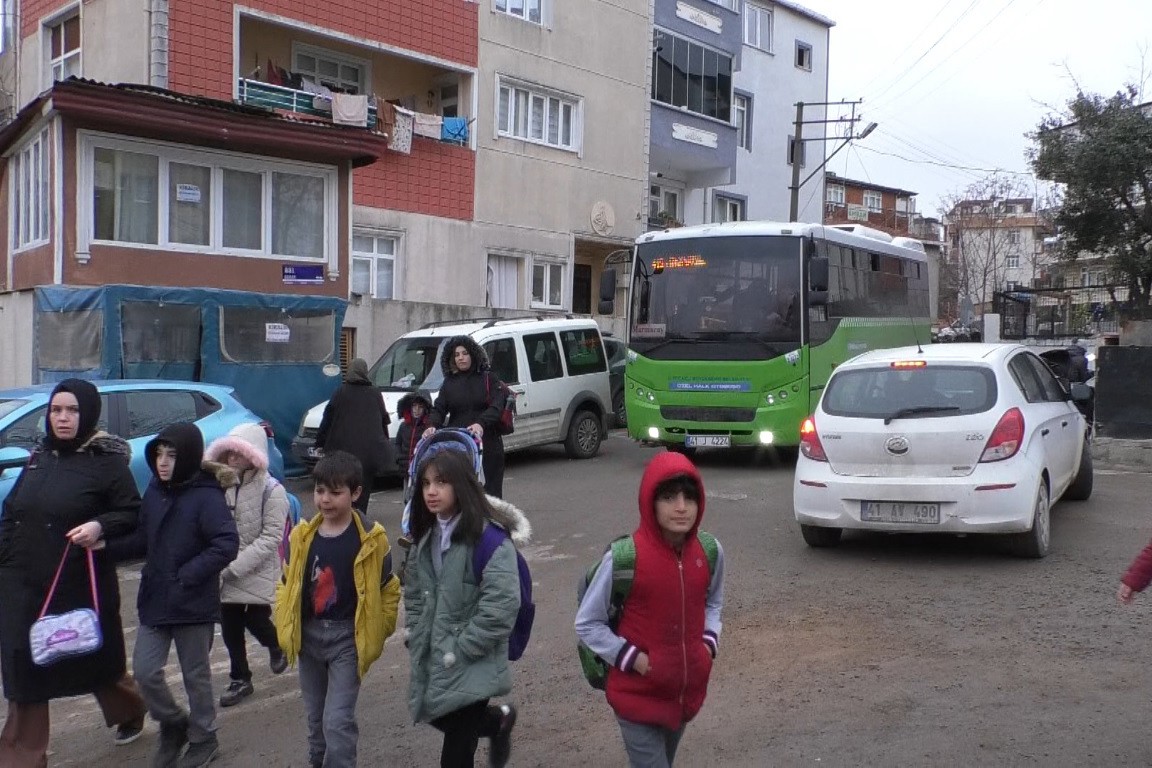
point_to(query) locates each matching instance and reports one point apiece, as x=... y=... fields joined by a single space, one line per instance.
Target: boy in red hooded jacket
x=662 y=649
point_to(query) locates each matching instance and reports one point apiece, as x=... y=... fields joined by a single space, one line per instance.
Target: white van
x=556 y=366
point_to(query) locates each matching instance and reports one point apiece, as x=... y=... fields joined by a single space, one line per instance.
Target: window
x=27 y=431
x=503 y=283
x=302 y=336
x=758 y=27
x=374 y=266
x=63 y=54
x=727 y=209
x=794 y=147
x=548 y=285
x=903 y=205
x=450 y=100
x=873 y=201
x=150 y=412
x=583 y=351
x=834 y=193
x=663 y=202
x=335 y=71
x=803 y=56
x=1012 y=261
x=529 y=10
x=543 y=356
x=538 y=116
x=503 y=359
x=741 y=111
x=1014 y=237
x=729 y=4
x=877 y=393
x=686 y=74
x=30 y=179
x=153 y=194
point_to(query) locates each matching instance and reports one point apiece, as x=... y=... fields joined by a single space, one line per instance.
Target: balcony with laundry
x=310 y=77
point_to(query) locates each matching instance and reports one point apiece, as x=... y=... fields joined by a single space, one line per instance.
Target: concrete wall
x=16 y=339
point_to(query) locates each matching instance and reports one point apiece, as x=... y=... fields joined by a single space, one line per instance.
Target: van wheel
x=1081 y=487
x=819 y=536
x=583 y=441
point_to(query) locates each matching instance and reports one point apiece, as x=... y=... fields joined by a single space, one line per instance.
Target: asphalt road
x=889 y=650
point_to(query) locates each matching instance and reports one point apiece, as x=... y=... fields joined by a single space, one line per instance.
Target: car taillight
x=810 y=441
x=1006 y=438
x=268 y=430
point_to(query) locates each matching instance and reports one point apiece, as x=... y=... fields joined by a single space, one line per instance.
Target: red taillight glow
x=1006 y=438
x=268 y=430
x=910 y=364
x=810 y=442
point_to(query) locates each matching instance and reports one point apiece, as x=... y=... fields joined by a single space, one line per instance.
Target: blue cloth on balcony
x=455 y=130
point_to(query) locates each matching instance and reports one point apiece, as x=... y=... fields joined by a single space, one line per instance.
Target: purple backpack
x=490 y=540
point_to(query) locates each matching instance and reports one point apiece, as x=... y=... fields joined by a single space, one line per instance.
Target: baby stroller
x=441 y=440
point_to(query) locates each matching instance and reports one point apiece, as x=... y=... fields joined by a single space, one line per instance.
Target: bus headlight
x=783 y=394
x=765 y=438
x=770 y=398
x=654 y=433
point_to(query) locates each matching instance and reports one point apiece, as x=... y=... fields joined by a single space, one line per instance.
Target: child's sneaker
x=277 y=660
x=200 y=753
x=238 y=690
x=501 y=748
x=126 y=733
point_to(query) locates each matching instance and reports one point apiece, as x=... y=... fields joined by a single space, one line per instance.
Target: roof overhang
x=160 y=114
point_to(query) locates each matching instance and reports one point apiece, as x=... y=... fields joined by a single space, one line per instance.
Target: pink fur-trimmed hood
x=249 y=440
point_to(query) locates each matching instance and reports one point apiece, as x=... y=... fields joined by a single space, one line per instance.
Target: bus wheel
x=681 y=449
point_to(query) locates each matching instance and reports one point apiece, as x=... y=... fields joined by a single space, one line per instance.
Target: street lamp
x=794 y=207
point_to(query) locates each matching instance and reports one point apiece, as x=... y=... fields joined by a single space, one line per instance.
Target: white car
x=957 y=438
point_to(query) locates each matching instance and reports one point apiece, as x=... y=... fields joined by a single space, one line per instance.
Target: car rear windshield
x=931 y=391
x=7 y=406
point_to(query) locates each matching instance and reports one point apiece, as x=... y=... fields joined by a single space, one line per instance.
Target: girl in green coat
x=457 y=624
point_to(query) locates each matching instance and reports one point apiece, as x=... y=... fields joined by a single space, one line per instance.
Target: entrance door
x=582 y=289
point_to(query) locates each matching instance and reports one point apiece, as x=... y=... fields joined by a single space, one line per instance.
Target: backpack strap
x=711 y=550
x=489 y=542
x=623 y=571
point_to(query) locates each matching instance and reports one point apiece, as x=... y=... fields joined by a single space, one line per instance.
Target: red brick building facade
x=847 y=201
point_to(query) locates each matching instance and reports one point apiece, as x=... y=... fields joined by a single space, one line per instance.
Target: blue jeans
x=330 y=685
x=649 y=746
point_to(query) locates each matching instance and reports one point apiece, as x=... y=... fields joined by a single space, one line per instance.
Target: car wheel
x=819 y=536
x=618 y=410
x=1081 y=487
x=584 y=437
x=1035 y=543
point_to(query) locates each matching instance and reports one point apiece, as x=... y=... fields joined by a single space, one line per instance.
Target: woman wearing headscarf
x=471 y=399
x=76 y=489
x=355 y=420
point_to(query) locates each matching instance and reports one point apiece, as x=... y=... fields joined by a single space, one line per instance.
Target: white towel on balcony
x=348 y=109
x=401 y=138
x=428 y=125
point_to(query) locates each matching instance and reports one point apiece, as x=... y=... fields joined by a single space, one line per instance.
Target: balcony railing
x=258 y=94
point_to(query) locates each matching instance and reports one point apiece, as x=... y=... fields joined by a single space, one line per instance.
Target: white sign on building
x=699 y=18
x=687 y=133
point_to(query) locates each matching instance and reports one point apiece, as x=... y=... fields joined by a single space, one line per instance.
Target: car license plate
x=916 y=512
x=708 y=441
x=315 y=453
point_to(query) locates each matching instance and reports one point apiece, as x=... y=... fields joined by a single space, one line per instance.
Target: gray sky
x=990 y=70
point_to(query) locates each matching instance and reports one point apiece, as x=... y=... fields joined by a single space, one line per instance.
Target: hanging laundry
x=428 y=125
x=455 y=130
x=401 y=139
x=349 y=109
x=386 y=118
x=274 y=77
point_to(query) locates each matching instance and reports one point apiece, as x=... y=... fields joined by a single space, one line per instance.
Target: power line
x=944 y=165
x=946 y=161
x=864 y=88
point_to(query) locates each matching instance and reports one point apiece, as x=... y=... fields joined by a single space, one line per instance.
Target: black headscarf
x=357 y=372
x=186 y=438
x=88 y=397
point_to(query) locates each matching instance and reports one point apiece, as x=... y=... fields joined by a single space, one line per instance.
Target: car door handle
x=1044 y=433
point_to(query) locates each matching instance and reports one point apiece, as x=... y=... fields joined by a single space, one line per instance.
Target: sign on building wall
x=277 y=333
x=303 y=274
x=687 y=133
x=699 y=18
x=857 y=212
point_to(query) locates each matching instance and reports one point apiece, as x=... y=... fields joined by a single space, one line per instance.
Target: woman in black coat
x=471 y=399
x=355 y=420
x=77 y=488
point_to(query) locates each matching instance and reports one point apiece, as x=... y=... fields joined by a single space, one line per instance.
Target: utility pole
x=798 y=145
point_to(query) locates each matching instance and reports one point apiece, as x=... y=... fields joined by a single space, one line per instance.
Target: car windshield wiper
x=918 y=410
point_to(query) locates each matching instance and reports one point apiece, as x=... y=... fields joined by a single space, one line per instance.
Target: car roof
x=975 y=352
x=497 y=325
x=116 y=385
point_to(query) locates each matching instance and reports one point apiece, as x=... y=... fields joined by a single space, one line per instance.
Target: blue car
x=134 y=410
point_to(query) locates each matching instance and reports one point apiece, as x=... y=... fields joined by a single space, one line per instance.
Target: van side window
x=543 y=356
x=583 y=351
x=502 y=357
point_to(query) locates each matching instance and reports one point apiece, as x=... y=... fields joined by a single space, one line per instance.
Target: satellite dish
x=331 y=369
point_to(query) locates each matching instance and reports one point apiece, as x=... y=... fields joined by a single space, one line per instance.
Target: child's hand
x=641 y=665
x=1125 y=594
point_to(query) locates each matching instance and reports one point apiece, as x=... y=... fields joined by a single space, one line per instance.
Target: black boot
x=173 y=737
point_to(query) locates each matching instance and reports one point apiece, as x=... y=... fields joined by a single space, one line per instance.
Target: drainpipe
x=158 y=43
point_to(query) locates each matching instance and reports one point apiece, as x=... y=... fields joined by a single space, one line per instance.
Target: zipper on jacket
x=683 y=628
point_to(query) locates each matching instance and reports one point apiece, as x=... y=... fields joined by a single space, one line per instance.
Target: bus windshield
x=716 y=298
x=410 y=363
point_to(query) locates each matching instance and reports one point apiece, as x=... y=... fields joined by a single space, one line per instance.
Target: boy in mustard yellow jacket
x=335 y=607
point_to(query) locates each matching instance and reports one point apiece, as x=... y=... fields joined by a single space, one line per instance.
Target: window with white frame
x=758 y=27
x=373 y=265
x=1014 y=237
x=873 y=201
x=149 y=193
x=538 y=116
x=834 y=193
x=803 y=56
x=727 y=209
x=335 y=71
x=741 y=109
x=547 y=284
x=729 y=4
x=1012 y=261
x=663 y=203
x=62 y=48
x=529 y=10
x=30 y=177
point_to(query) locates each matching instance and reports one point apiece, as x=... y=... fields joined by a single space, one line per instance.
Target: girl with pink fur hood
x=248 y=585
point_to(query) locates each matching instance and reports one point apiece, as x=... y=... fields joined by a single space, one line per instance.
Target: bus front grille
x=706 y=413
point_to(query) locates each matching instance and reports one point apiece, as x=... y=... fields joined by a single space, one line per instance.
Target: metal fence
x=1052 y=313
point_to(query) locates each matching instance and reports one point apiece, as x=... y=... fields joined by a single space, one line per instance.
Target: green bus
x=733 y=329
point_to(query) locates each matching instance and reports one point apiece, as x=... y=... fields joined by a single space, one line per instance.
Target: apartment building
x=726 y=75
x=423 y=159
x=849 y=201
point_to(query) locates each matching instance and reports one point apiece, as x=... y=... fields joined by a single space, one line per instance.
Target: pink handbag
x=64 y=635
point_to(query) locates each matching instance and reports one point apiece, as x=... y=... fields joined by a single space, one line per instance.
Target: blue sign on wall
x=303 y=274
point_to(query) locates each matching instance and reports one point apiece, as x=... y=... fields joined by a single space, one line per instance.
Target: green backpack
x=623 y=571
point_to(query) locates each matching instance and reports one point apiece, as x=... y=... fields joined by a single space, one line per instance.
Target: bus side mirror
x=818 y=274
x=607 y=292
